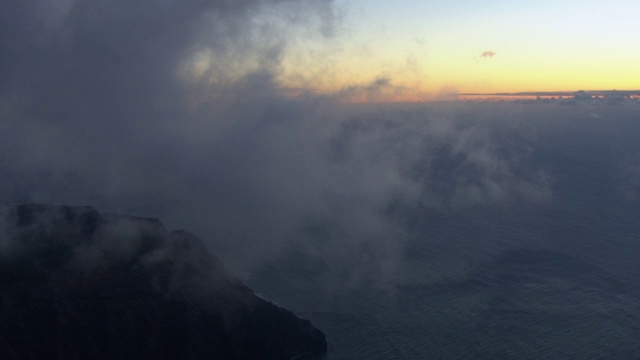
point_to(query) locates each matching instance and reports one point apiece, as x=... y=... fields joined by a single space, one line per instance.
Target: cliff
x=75 y=284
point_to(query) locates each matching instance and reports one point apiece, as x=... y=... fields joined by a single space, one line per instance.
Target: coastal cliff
x=76 y=284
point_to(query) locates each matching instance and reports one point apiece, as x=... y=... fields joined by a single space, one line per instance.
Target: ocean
x=556 y=278
x=433 y=231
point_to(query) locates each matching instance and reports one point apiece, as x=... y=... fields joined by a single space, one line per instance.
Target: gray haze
x=171 y=109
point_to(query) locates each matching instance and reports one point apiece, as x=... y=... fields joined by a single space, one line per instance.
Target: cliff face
x=75 y=284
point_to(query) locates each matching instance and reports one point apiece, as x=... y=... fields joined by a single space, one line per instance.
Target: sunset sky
x=429 y=48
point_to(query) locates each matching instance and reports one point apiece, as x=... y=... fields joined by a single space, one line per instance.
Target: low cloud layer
x=173 y=109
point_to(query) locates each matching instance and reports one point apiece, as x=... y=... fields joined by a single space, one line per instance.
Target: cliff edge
x=76 y=284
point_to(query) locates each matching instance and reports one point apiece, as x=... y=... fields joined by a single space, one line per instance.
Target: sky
x=427 y=49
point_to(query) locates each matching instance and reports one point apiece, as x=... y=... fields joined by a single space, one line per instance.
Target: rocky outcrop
x=75 y=284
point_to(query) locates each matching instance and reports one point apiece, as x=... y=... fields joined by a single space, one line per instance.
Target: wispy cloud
x=172 y=109
x=487 y=54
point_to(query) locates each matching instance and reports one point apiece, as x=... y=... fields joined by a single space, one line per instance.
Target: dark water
x=558 y=279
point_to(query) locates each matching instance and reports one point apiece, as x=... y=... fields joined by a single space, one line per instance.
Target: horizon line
x=557 y=93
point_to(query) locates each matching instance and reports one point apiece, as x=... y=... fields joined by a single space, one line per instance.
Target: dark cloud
x=172 y=109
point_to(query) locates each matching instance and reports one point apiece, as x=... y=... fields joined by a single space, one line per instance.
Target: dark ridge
x=75 y=284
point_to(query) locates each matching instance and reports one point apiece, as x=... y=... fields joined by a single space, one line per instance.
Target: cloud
x=172 y=109
x=487 y=54
x=484 y=56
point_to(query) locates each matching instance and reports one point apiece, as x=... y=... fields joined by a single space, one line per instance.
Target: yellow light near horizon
x=439 y=74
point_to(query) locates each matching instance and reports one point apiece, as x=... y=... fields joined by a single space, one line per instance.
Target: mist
x=176 y=110
x=423 y=230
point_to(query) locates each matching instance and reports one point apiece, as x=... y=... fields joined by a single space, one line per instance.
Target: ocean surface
x=538 y=259
x=514 y=279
